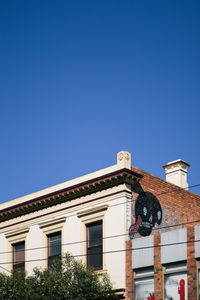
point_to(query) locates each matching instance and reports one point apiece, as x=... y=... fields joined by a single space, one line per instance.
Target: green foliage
x=67 y=279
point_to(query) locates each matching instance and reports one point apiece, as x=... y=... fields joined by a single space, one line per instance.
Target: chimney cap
x=174 y=162
x=176 y=172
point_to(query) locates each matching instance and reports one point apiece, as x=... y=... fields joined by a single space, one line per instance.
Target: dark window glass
x=19 y=256
x=95 y=245
x=54 y=247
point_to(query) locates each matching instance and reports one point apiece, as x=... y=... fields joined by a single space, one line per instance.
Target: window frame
x=89 y=216
x=49 y=227
x=14 y=237
x=143 y=274
x=51 y=258
x=93 y=247
x=175 y=269
x=198 y=277
x=21 y=265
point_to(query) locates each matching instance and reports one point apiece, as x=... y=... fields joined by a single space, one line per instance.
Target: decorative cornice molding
x=85 y=188
x=17 y=235
x=93 y=210
x=53 y=225
x=54 y=221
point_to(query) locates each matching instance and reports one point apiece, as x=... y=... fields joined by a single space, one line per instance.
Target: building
x=163 y=256
x=86 y=217
x=140 y=229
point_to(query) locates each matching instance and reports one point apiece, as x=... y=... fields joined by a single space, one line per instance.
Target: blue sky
x=82 y=80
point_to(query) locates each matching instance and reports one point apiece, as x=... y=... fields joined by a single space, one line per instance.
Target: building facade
x=142 y=230
x=163 y=256
x=88 y=217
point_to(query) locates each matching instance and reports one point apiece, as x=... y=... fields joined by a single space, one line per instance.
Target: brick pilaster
x=158 y=273
x=129 y=272
x=191 y=264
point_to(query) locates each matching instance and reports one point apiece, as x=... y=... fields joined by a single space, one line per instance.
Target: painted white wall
x=35 y=239
x=4 y=255
x=116 y=221
x=114 y=216
x=115 y=224
x=72 y=235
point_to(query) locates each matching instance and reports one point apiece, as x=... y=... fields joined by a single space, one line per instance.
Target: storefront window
x=144 y=284
x=199 y=282
x=176 y=286
x=144 y=289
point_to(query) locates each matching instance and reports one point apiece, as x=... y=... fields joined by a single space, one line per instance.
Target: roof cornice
x=67 y=194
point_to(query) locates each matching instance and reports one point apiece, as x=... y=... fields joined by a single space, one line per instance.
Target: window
x=144 y=288
x=199 y=282
x=198 y=273
x=16 y=248
x=54 y=247
x=19 y=256
x=95 y=245
x=175 y=281
x=92 y=229
x=144 y=284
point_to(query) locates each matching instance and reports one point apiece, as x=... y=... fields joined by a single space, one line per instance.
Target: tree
x=66 y=279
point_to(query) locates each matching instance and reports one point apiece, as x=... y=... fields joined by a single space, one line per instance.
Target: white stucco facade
x=110 y=205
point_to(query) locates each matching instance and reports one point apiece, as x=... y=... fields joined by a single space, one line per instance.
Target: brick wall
x=191 y=264
x=158 y=275
x=179 y=207
x=129 y=272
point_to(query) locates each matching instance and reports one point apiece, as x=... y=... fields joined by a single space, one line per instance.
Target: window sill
x=101 y=272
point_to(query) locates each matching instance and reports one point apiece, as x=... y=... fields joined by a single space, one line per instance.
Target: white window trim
x=89 y=216
x=143 y=274
x=49 y=227
x=147 y=272
x=175 y=268
x=15 y=237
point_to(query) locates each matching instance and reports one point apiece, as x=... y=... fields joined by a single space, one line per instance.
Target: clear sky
x=82 y=80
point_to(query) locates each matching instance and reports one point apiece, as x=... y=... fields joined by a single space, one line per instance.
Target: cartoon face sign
x=148 y=207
